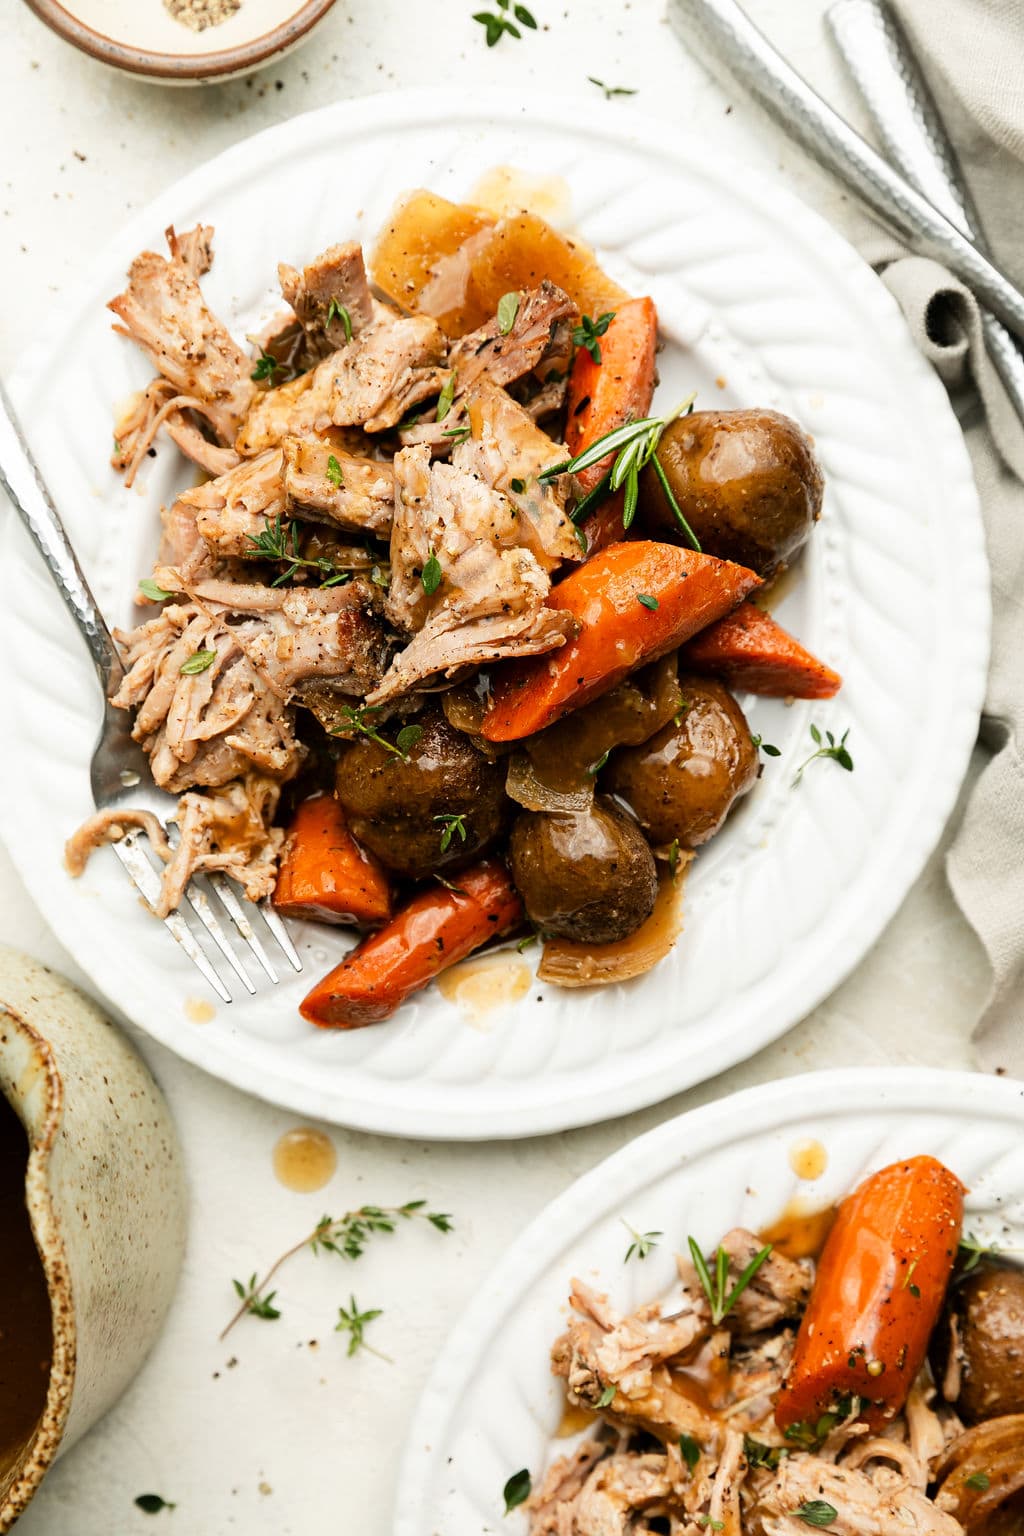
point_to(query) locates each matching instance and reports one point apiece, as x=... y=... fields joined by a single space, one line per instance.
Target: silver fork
x=119 y=772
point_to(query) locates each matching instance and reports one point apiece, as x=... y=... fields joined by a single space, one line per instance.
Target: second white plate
x=761 y=304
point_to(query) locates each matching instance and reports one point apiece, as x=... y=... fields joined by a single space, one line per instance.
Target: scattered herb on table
x=517 y=1490
x=642 y=1243
x=252 y=1301
x=589 y=332
x=452 y=826
x=152 y=1503
x=497 y=23
x=347 y=1237
x=611 y=90
x=715 y=1286
x=197 y=662
x=827 y=747
x=354 y=1323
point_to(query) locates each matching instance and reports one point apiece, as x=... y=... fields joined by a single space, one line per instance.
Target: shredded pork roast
x=306 y=448
x=684 y=1439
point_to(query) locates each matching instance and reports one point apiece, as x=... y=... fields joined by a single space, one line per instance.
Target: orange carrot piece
x=748 y=650
x=325 y=875
x=877 y=1296
x=633 y=602
x=619 y=388
x=438 y=928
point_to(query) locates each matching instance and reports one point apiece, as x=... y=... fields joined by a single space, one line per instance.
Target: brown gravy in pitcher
x=26 y=1334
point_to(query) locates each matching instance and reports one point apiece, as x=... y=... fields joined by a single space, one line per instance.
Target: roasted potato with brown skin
x=683 y=782
x=747 y=483
x=585 y=875
x=989 y=1309
x=392 y=804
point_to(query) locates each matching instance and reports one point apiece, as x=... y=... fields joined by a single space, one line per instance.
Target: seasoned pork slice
x=335 y=280
x=781 y=1288
x=202 y=727
x=233 y=510
x=386 y=370
x=446 y=646
x=161 y=406
x=354 y=493
x=227 y=829
x=615 y=1496
x=542 y=316
x=508 y=451
x=865 y=1506
x=301 y=405
x=164 y=311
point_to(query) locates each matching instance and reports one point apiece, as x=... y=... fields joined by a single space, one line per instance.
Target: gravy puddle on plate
x=479 y=987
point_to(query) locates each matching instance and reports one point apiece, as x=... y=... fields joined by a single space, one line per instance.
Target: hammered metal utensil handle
x=877 y=54
x=23 y=483
x=722 y=33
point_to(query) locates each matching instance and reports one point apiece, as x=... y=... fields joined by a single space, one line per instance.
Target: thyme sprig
x=587 y=335
x=497 y=23
x=451 y=827
x=635 y=445
x=827 y=747
x=611 y=90
x=346 y=1236
x=715 y=1286
x=642 y=1242
x=356 y=724
x=353 y=1322
x=279 y=541
x=265 y=367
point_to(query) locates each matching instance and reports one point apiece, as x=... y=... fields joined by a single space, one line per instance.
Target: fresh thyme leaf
x=334 y=471
x=407 y=738
x=453 y=826
x=908 y=1280
x=508 y=309
x=975 y=1252
x=353 y=1322
x=197 y=662
x=689 y=1450
x=430 y=576
x=525 y=16
x=588 y=333
x=149 y=588
x=709 y=1524
x=611 y=90
x=836 y=750
x=354 y=723
x=152 y=1503
x=648 y=601
x=715 y=1288
x=518 y=486
x=445 y=398
x=280 y=542
x=642 y=1243
x=760 y=1455
x=496 y=26
x=517 y=1490
x=607 y=1396
x=673 y=857
x=979 y=1480
x=254 y=1301
x=599 y=764
x=266 y=366
x=379 y=578
x=817 y=1512
x=527 y=940
x=760 y=745
x=339 y=310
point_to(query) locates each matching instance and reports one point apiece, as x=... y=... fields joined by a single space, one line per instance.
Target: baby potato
x=747 y=483
x=683 y=782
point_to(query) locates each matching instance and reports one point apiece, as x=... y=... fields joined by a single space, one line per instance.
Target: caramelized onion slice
x=982 y=1469
x=566 y=964
x=523 y=785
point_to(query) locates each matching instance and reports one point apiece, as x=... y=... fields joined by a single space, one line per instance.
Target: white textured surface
x=492 y=1405
x=323 y=1432
x=753 y=289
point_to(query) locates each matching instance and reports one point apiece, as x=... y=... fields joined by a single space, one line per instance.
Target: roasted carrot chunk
x=438 y=928
x=633 y=602
x=879 y=1289
x=748 y=650
x=325 y=875
x=605 y=395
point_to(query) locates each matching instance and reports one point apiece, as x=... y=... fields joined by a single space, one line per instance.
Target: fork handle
x=21 y=479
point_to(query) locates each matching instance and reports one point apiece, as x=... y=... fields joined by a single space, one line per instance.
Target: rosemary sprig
x=353 y=1322
x=280 y=542
x=346 y=1236
x=452 y=826
x=642 y=1242
x=634 y=445
x=836 y=750
x=715 y=1286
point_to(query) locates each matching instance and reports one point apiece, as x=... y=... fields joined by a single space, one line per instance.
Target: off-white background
x=271 y=1434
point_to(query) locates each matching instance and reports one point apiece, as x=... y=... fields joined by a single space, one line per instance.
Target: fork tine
x=233 y=906
x=200 y=904
x=281 y=934
x=146 y=880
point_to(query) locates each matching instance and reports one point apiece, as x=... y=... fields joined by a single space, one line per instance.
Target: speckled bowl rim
x=45 y=1443
x=180 y=67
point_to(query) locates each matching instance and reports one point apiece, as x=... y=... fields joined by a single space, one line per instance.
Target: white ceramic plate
x=753 y=291
x=492 y=1406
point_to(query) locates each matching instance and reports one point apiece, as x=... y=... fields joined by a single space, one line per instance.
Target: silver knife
x=723 y=34
x=877 y=54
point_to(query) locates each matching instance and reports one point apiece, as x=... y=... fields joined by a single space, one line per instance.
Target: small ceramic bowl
x=151 y=38
x=105 y=1196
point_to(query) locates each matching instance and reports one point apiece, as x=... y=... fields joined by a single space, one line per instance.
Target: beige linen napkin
x=972 y=53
